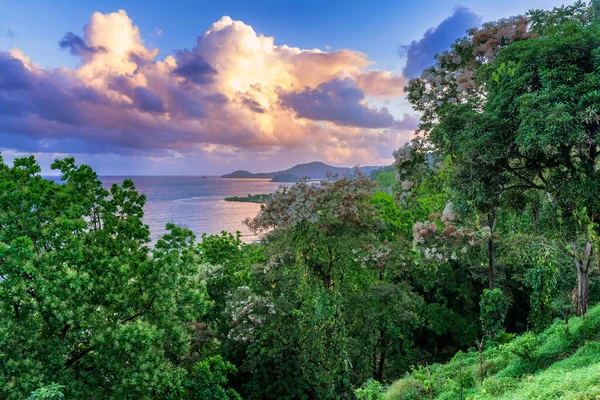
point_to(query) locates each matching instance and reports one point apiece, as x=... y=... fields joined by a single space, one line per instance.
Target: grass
x=563 y=362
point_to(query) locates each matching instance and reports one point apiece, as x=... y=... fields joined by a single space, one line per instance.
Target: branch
x=531 y=184
x=142 y=312
x=78 y=356
x=63 y=334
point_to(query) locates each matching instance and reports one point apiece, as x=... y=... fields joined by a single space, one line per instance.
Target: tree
x=208 y=380
x=326 y=272
x=84 y=301
x=515 y=104
x=549 y=107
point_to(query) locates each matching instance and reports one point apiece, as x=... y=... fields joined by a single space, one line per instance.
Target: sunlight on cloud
x=234 y=89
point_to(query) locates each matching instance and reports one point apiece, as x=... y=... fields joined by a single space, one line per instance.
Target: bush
x=497 y=386
x=493 y=307
x=371 y=390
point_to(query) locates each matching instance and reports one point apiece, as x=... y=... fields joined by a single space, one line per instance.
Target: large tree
x=84 y=301
x=516 y=105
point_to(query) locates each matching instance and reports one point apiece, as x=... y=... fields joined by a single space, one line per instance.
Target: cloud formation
x=77 y=45
x=420 y=53
x=234 y=92
x=339 y=101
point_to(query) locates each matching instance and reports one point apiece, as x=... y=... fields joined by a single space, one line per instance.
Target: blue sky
x=373 y=27
x=356 y=37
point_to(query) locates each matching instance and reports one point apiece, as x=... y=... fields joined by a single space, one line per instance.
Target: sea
x=197 y=203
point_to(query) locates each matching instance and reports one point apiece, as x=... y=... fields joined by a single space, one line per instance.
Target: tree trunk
x=582 y=263
x=536 y=217
x=491 y=222
x=375 y=360
x=381 y=363
x=582 y=292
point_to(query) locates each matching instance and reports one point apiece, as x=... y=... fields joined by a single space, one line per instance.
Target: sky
x=209 y=87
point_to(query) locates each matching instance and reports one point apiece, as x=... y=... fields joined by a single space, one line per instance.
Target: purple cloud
x=145 y=100
x=420 y=53
x=13 y=75
x=339 y=101
x=193 y=67
x=77 y=45
x=253 y=105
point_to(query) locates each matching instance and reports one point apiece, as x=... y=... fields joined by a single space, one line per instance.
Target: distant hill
x=314 y=170
x=285 y=178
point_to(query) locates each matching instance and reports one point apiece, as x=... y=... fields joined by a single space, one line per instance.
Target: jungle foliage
x=485 y=227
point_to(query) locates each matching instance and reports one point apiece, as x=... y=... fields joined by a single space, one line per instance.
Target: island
x=312 y=170
x=251 y=198
x=284 y=178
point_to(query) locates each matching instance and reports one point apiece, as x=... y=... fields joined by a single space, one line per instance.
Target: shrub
x=493 y=307
x=371 y=390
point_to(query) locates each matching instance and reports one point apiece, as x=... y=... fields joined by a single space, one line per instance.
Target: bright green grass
x=562 y=362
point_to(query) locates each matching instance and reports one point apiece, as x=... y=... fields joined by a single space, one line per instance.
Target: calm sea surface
x=197 y=203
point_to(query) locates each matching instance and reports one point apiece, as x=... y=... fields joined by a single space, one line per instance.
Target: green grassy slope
x=562 y=362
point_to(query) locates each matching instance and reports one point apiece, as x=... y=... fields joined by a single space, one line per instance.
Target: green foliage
x=327 y=277
x=208 y=379
x=556 y=363
x=494 y=306
x=375 y=173
x=397 y=221
x=52 y=391
x=503 y=338
x=423 y=375
x=543 y=279
x=251 y=198
x=356 y=280
x=386 y=180
x=504 y=70
x=85 y=302
x=371 y=390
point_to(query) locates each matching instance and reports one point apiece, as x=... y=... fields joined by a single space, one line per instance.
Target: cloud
x=253 y=105
x=193 y=67
x=234 y=95
x=381 y=83
x=77 y=46
x=147 y=101
x=339 y=101
x=13 y=75
x=420 y=53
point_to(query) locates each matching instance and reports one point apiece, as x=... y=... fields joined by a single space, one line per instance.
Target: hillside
x=562 y=362
x=285 y=178
x=314 y=170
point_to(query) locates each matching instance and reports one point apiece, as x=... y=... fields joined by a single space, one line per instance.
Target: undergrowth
x=562 y=362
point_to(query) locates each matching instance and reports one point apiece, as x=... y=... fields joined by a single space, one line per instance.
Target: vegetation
x=485 y=228
x=251 y=198
x=285 y=178
x=561 y=362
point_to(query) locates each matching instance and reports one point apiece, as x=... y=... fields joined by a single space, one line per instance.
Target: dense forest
x=486 y=227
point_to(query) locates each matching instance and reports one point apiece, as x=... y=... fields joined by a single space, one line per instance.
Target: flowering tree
x=517 y=110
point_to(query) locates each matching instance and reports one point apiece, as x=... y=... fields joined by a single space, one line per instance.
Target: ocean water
x=197 y=203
